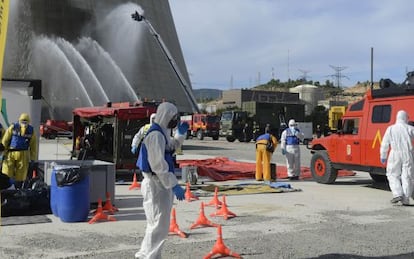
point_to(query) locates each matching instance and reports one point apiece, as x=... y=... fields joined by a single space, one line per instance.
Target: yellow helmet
x=24 y=117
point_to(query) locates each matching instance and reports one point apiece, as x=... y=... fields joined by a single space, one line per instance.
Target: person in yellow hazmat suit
x=265 y=146
x=20 y=146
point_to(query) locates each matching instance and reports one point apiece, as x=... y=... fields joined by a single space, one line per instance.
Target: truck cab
x=206 y=125
x=202 y=125
x=356 y=144
x=236 y=125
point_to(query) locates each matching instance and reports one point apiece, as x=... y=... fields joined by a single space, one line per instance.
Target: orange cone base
x=214 y=202
x=202 y=220
x=101 y=216
x=223 y=211
x=220 y=248
x=189 y=196
x=134 y=184
x=174 y=229
x=109 y=207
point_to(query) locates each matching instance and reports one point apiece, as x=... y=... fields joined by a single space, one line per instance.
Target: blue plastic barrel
x=73 y=200
x=54 y=192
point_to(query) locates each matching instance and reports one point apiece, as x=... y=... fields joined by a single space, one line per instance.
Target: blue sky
x=240 y=43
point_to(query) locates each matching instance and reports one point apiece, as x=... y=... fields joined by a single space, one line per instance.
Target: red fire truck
x=56 y=128
x=356 y=144
x=202 y=125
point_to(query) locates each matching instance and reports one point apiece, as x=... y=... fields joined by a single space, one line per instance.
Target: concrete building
x=236 y=97
x=310 y=95
x=88 y=52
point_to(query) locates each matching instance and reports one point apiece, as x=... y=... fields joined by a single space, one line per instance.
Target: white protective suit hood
x=152 y=118
x=165 y=112
x=402 y=117
x=292 y=124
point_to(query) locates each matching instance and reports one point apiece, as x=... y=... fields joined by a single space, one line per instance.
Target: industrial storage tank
x=89 y=52
x=310 y=94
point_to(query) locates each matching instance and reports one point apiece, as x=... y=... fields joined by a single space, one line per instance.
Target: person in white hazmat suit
x=400 y=169
x=140 y=135
x=289 y=141
x=160 y=183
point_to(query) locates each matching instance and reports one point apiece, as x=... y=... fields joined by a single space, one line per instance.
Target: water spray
x=138 y=17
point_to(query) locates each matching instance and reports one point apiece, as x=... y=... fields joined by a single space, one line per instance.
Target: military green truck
x=248 y=123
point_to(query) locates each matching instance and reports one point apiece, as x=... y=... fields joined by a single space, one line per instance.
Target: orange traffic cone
x=100 y=215
x=134 y=184
x=189 y=196
x=220 y=248
x=174 y=228
x=223 y=211
x=202 y=220
x=108 y=204
x=215 y=201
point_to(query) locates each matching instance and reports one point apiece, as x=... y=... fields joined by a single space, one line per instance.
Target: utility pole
x=338 y=74
x=304 y=74
x=288 y=64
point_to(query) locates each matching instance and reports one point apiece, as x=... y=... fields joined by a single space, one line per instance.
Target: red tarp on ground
x=223 y=169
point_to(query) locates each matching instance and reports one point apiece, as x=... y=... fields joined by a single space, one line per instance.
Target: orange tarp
x=223 y=169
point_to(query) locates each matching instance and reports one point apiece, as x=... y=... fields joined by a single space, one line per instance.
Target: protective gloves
x=383 y=161
x=179 y=192
x=183 y=127
x=134 y=150
x=283 y=151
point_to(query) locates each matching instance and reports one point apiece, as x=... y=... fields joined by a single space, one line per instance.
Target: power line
x=338 y=75
x=304 y=74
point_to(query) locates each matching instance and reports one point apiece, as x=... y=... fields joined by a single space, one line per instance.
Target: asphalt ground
x=352 y=218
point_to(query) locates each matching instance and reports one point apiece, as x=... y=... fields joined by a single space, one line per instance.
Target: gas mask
x=173 y=122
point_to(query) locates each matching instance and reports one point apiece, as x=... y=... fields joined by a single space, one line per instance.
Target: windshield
x=226 y=116
x=213 y=119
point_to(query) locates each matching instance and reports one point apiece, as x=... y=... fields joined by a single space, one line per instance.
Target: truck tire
x=379 y=178
x=230 y=138
x=200 y=135
x=52 y=135
x=215 y=137
x=321 y=168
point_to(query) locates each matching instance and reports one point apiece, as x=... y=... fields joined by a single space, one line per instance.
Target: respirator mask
x=173 y=122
